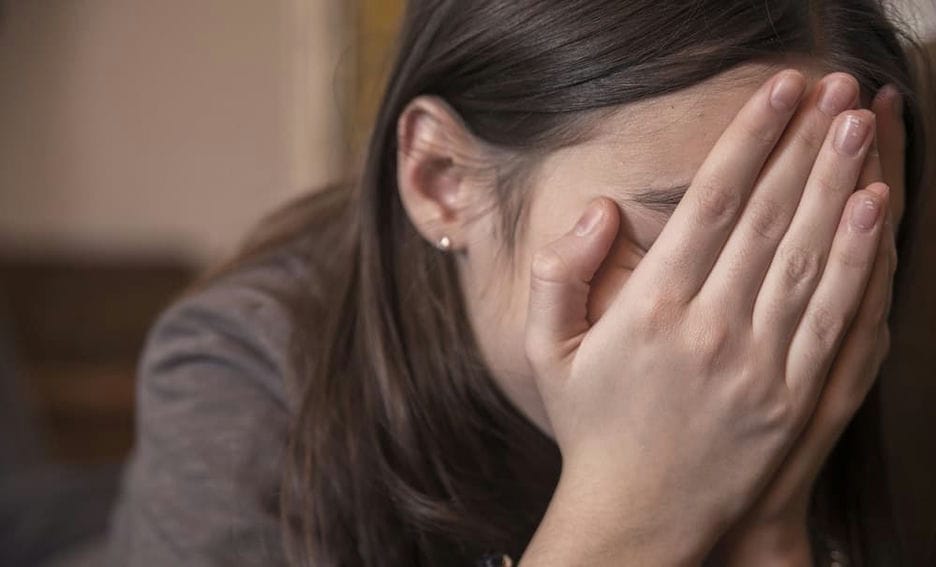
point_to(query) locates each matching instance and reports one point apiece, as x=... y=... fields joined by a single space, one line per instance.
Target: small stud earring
x=444 y=244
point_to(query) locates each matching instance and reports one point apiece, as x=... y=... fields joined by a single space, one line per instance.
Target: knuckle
x=535 y=352
x=881 y=312
x=825 y=325
x=657 y=314
x=718 y=201
x=763 y=133
x=548 y=265
x=827 y=184
x=769 y=400
x=778 y=412
x=711 y=343
x=870 y=320
x=540 y=352
x=849 y=399
x=768 y=219
x=853 y=259
x=873 y=317
x=801 y=265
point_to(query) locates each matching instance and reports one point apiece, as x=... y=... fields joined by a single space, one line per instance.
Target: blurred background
x=139 y=141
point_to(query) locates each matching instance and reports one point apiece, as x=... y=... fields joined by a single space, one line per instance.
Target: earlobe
x=434 y=152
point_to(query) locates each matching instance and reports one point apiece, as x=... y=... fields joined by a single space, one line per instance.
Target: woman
x=434 y=364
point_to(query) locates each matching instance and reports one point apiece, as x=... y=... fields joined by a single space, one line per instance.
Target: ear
x=435 y=153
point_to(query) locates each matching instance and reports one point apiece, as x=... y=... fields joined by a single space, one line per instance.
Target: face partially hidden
x=643 y=156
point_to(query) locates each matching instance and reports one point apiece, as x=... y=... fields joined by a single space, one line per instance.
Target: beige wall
x=133 y=126
x=170 y=126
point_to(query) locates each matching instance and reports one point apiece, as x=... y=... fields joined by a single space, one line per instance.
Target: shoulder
x=242 y=321
x=215 y=395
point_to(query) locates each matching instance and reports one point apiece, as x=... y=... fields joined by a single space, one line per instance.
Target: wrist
x=586 y=524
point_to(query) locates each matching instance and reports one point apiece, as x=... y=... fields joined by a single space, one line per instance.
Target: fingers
x=865 y=346
x=832 y=307
x=802 y=254
x=853 y=373
x=750 y=249
x=561 y=274
x=690 y=242
x=891 y=135
x=872 y=171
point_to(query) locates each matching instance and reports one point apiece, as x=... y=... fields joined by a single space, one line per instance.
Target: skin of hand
x=732 y=322
x=773 y=531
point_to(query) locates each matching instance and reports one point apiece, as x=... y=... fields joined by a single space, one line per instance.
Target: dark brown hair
x=404 y=452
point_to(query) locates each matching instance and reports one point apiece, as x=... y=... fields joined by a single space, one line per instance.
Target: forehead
x=663 y=141
x=644 y=147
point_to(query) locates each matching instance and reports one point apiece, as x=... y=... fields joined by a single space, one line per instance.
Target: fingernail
x=837 y=96
x=865 y=214
x=589 y=221
x=787 y=92
x=851 y=135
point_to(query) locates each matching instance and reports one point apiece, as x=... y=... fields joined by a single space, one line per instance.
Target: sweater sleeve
x=212 y=417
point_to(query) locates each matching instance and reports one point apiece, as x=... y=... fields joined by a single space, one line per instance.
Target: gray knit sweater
x=214 y=402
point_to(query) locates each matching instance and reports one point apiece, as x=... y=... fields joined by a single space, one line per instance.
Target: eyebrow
x=661 y=200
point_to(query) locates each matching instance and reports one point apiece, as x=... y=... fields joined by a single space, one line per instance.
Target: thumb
x=560 y=278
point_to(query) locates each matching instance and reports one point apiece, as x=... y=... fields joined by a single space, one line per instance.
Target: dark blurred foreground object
x=70 y=333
